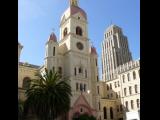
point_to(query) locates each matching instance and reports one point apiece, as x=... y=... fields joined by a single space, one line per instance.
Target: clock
x=79 y=45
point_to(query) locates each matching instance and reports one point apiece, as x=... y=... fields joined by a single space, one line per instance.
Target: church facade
x=75 y=58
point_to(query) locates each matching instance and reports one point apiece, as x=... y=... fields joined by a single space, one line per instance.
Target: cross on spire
x=73 y=2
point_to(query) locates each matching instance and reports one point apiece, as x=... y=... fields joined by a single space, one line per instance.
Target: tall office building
x=115 y=51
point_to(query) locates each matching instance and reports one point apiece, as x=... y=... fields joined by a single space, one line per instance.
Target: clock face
x=80 y=46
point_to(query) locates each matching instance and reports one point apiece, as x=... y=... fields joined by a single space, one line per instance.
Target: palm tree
x=20 y=109
x=49 y=96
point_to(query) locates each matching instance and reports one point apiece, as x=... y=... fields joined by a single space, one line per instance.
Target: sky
x=38 y=18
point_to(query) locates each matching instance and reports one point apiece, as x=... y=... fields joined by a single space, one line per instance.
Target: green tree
x=20 y=109
x=49 y=96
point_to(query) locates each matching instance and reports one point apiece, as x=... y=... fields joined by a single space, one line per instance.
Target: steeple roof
x=52 y=37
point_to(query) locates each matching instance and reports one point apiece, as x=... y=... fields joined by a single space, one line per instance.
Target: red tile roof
x=53 y=37
x=93 y=50
x=76 y=9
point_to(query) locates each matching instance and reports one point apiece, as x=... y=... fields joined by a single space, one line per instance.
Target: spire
x=73 y=2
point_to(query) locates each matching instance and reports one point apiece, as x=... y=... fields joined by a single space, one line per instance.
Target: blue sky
x=37 y=18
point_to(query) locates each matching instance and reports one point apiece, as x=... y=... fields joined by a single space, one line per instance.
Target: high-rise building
x=115 y=51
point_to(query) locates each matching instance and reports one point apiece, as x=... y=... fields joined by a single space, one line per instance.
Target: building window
x=116 y=95
x=125 y=91
x=84 y=87
x=115 y=84
x=110 y=86
x=107 y=96
x=98 y=89
x=111 y=112
x=119 y=94
x=60 y=70
x=134 y=75
x=97 y=78
x=85 y=73
x=81 y=87
x=105 y=113
x=65 y=32
x=121 y=109
x=99 y=105
x=117 y=108
x=136 y=91
x=81 y=110
x=132 y=105
x=75 y=71
x=126 y=105
x=128 y=76
x=107 y=87
x=26 y=83
x=96 y=61
x=111 y=95
x=80 y=70
x=78 y=17
x=137 y=103
x=130 y=90
x=78 y=31
x=53 y=51
x=123 y=77
x=77 y=86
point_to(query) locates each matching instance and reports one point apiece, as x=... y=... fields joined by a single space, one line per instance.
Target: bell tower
x=74 y=29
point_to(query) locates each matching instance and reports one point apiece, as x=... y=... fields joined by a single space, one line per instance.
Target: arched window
x=116 y=95
x=65 y=32
x=111 y=112
x=125 y=91
x=60 y=70
x=123 y=77
x=107 y=87
x=80 y=70
x=134 y=75
x=132 y=105
x=77 y=86
x=81 y=87
x=130 y=90
x=110 y=86
x=85 y=73
x=26 y=83
x=54 y=51
x=78 y=31
x=105 y=113
x=84 y=87
x=136 y=91
x=126 y=105
x=128 y=76
x=137 y=103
